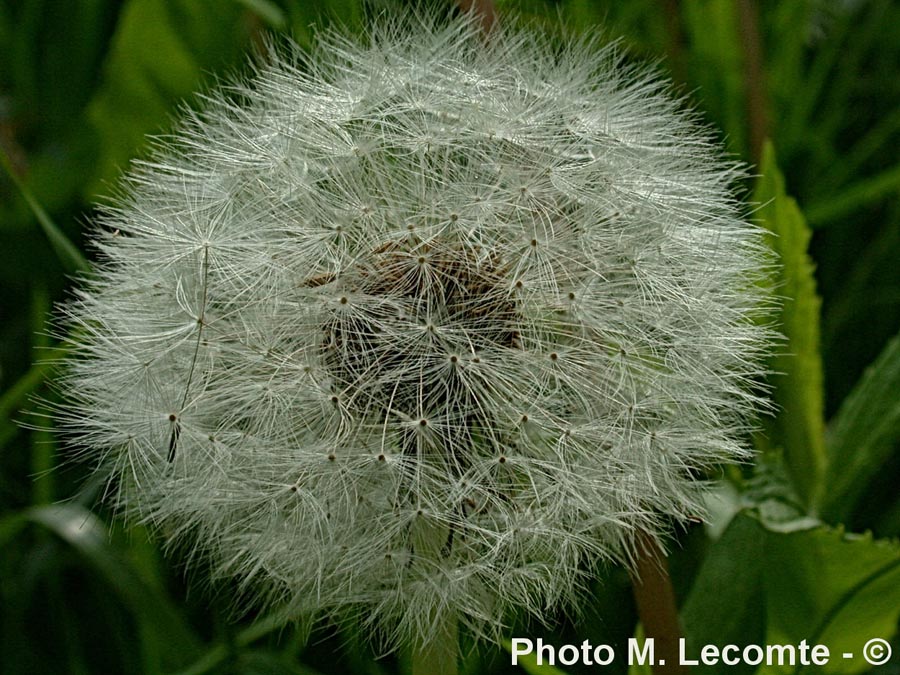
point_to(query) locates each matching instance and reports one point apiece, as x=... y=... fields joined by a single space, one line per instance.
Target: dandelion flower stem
x=655 y=599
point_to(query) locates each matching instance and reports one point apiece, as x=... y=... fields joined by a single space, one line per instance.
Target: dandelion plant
x=418 y=330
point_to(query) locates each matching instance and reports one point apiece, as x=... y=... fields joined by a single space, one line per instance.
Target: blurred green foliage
x=83 y=81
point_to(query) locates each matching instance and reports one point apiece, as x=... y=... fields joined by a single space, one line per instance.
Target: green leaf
x=779 y=584
x=10 y=526
x=64 y=48
x=159 y=54
x=785 y=58
x=863 y=47
x=17 y=393
x=831 y=588
x=267 y=11
x=160 y=620
x=716 y=65
x=149 y=67
x=799 y=428
x=876 y=138
x=798 y=96
x=855 y=196
x=529 y=663
x=726 y=604
x=307 y=17
x=68 y=254
x=585 y=13
x=220 y=653
x=863 y=433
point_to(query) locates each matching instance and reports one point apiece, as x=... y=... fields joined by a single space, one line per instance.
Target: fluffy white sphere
x=423 y=326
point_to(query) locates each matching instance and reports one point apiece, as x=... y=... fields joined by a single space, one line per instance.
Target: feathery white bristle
x=426 y=325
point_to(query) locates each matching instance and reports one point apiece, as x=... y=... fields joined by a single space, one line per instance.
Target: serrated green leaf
x=799 y=428
x=863 y=432
x=830 y=588
x=773 y=585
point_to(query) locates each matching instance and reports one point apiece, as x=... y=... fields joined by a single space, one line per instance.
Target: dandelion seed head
x=427 y=324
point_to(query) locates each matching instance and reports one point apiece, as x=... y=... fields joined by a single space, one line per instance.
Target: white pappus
x=423 y=325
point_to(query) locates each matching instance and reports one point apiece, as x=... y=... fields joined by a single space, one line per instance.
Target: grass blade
x=269 y=12
x=859 y=194
x=82 y=530
x=71 y=258
x=863 y=432
x=799 y=428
